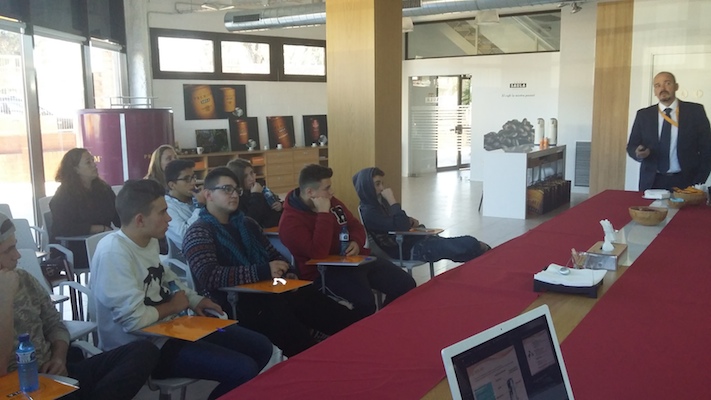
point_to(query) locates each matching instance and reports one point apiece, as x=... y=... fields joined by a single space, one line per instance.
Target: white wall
x=263 y=98
x=491 y=76
x=664 y=27
x=577 y=75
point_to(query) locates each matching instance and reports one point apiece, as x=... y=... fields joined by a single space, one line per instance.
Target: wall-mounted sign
x=519 y=85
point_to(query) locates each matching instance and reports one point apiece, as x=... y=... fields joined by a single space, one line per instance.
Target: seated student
x=253 y=202
x=182 y=193
x=226 y=248
x=25 y=307
x=160 y=158
x=310 y=227
x=133 y=290
x=382 y=214
x=83 y=203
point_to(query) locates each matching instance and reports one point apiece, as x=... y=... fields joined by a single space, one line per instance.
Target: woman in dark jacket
x=253 y=202
x=83 y=203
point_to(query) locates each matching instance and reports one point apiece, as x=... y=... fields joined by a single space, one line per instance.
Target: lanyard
x=666 y=117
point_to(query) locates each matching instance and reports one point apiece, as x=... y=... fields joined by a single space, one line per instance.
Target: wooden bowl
x=691 y=199
x=648 y=216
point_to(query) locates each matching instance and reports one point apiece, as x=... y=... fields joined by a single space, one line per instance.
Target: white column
x=138 y=48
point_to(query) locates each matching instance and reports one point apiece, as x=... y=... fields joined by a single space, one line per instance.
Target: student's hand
x=322 y=204
x=641 y=152
x=389 y=196
x=200 y=197
x=414 y=223
x=278 y=268
x=204 y=304
x=179 y=302
x=55 y=366
x=256 y=188
x=277 y=206
x=353 y=249
x=9 y=283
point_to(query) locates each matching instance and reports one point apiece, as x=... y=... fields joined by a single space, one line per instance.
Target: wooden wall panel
x=364 y=48
x=613 y=53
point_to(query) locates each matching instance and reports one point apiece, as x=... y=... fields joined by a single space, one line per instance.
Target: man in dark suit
x=671 y=139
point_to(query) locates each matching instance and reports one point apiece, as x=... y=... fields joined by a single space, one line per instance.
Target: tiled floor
x=446 y=200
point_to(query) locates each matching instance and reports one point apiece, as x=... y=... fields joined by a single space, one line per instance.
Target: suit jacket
x=693 y=143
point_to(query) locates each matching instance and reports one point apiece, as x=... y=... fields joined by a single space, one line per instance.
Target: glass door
x=60 y=91
x=440 y=120
x=16 y=180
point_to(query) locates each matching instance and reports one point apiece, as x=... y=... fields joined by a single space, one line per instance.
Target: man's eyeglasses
x=191 y=178
x=228 y=189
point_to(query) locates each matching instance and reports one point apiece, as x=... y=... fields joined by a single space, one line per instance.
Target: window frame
x=276 y=56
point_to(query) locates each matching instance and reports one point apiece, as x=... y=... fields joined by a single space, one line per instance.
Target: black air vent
x=246 y=18
x=411 y=4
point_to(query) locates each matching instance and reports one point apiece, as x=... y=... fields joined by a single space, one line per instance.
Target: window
x=178 y=54
x=304 y=60
x=245 y=58
x=521 y=33
x=106 y=74
x=185 y=55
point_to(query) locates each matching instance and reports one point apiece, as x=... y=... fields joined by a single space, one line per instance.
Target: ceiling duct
x=315 y=14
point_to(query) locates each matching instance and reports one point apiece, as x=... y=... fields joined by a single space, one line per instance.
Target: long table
x=394 y=354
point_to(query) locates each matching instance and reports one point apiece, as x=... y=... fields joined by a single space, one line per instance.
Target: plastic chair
x=77 y=329
x=182 y=270
x=91 y=242
x=5 y=209
x=380 y=253
x=116 y=189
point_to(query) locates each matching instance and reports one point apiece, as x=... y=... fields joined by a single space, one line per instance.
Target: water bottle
x=27 y=364
x=345 y=238
x=173 y=287
x=269 y=196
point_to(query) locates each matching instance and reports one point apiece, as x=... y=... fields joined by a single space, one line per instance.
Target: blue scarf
x=256 y=253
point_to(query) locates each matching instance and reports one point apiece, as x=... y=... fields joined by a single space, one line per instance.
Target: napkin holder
x=608 y=260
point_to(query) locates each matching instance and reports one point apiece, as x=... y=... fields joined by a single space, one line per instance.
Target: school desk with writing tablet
x=276 y=286
x=191 y=328
x=418 y=232
x=337 y=261
x=49 y=389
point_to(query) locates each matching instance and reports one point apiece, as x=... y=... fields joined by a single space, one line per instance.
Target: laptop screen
x=512 y=361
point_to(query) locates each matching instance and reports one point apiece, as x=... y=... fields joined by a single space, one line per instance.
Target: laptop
x=519 y=359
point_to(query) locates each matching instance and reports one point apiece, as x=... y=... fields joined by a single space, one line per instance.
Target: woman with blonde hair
x=83 y=203
x=159 y=159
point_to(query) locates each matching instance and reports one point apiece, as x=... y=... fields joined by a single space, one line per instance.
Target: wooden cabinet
x=278 y=169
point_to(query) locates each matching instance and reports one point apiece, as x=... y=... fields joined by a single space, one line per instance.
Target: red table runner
x=395 y=353
x=648 y=337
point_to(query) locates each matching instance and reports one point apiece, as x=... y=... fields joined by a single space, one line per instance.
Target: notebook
x=519 y=359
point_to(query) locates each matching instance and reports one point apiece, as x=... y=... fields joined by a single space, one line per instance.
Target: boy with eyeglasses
x=183 y=198
x=225 y=248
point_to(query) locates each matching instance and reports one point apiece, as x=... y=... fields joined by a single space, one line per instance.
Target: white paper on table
x=576 y=277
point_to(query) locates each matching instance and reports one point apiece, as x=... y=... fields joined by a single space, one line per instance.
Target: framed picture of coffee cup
x=315 y=130
x=244 y=133
x=212 y=140
x=281 y=132
x=214 y=101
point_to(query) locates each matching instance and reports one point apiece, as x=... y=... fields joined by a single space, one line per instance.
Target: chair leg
x=165 y=396
x=183 y=392
x=431 y=270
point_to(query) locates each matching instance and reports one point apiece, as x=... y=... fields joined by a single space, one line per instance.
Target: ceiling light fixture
x=575 y=7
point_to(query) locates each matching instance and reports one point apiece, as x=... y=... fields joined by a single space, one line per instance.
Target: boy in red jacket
x=310 y=227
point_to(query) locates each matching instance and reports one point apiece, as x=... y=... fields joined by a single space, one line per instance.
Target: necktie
x=664 y=144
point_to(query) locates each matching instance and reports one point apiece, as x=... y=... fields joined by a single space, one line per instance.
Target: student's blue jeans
x=231 y=357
